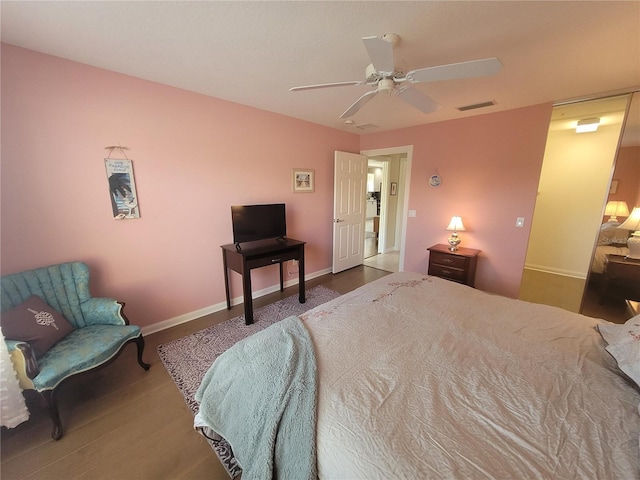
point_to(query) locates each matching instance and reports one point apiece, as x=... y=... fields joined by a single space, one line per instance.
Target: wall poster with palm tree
x=122 y=188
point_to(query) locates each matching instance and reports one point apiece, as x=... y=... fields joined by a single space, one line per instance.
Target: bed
x=418 y=377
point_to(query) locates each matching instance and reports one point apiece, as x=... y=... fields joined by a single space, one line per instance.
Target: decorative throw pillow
x=624 y=345
x=36 y=323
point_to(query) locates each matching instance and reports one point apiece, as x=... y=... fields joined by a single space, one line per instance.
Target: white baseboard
x=187 y=317
x=556 y=271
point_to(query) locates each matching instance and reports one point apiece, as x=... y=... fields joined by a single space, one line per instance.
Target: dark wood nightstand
x=458 y=266
x=621 y=273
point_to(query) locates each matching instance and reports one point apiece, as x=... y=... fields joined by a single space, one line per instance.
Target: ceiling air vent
x=367 y=126
x=477 y=105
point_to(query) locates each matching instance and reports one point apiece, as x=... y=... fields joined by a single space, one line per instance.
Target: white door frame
x=406 y=181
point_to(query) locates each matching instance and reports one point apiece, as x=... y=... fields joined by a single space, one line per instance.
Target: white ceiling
x=253 y=52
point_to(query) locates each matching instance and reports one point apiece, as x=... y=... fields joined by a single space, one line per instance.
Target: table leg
x=246 y=292
x=301 y=292
x=281 y=278
x=226 y=278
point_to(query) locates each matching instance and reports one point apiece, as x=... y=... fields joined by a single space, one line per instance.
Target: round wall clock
x=435 y=180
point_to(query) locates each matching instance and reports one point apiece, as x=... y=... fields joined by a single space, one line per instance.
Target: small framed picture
x=303 y=180
x=614 y=186
x=394 y=188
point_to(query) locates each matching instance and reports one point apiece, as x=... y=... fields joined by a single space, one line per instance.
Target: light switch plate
x=412 y=213
x=520 y=222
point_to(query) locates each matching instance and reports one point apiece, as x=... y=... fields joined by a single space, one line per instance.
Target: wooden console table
x=260 y=254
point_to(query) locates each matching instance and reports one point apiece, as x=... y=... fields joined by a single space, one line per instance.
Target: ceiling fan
x=383 y=76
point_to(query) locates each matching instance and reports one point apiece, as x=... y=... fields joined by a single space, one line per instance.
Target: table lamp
x=455 y=225
x=614 y=209
x=633 y=242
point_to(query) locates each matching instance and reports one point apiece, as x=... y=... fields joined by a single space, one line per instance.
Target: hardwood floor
x=124 y=423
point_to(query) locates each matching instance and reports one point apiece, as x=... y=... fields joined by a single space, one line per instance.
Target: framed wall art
x=303 y=180
x=122 y=188
x=613 y=188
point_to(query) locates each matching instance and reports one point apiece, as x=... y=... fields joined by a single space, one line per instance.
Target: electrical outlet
x=520 y=222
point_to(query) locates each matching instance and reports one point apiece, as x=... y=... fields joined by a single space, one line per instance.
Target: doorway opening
x=388 y=178
x=377 y=169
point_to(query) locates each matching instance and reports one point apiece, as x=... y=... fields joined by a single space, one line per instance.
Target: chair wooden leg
x=50 y=402
x=48 y=397
x=140 y=345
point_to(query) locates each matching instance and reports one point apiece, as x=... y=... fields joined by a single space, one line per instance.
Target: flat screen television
x=258 y=222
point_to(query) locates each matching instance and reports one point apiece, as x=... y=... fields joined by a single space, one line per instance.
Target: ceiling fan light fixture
x=386 y=85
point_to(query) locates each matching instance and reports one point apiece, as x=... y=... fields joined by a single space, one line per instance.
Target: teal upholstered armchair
x=95 y=334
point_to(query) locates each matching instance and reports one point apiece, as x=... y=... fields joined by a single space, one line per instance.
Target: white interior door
x=349 y=192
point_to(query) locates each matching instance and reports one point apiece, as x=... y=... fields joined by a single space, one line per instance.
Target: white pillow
x=623 y=343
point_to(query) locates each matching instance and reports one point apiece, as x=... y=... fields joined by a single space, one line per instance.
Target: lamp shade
x=456 y=224
x=633 y=242
x=615 y=208
x=633 y=222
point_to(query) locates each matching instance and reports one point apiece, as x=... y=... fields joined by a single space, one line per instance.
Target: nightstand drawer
x=458 y=266
x=450 y=273
x=447 y=260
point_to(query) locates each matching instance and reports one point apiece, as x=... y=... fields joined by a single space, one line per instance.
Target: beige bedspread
x=423 y=378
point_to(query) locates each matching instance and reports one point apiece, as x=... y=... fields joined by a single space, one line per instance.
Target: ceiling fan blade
x=417 y=99
x=381 y=54
x=353 y=109
x=325 y=85
x=474 y=68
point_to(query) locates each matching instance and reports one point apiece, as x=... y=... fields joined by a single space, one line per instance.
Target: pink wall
x=627 y=173
x=193 y=157
x=490 y=167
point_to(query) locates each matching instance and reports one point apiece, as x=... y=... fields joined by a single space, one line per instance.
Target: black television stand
x=260 y=254
x=278 y=239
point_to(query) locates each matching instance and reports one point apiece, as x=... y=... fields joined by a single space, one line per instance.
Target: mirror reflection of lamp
x=615 y=208
x=455 y=225
x=633 y=242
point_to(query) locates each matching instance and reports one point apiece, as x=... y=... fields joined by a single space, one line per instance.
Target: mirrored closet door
x=578 y=173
